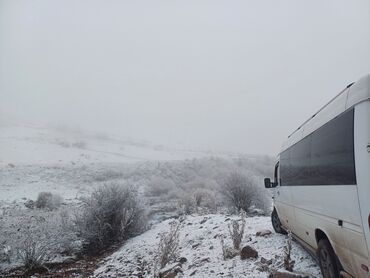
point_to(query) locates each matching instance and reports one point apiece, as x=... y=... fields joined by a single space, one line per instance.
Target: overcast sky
x=220 y=75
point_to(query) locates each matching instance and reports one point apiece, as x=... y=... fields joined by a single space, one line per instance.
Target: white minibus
x=322 y=184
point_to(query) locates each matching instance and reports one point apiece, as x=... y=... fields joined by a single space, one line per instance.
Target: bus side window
x=276 y=174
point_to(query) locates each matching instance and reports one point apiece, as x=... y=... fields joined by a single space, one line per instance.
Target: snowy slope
x=29 y=144
x=200 y=245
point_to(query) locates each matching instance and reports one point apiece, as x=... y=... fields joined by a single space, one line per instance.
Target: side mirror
x=269 y=184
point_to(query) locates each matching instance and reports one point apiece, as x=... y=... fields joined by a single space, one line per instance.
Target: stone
x=170 y=275
x=195 y=245
x=266 y=261
x=248 y=252
x=29 y=204
x=203 y=221
x=182 y=260
x=193 y=273
x=170 y=270
x=264 y=233
x=287 y=274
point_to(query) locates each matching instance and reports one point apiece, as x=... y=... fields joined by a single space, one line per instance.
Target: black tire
x=327 y=260
x=276 y=224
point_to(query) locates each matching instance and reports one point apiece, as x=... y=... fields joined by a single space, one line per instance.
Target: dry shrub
x=111 y=214
x=236 y=230
x=41 y=240
x=228 y=252
x=287 y=261
x=200 y=200
x=168 y=247
x=48 y=200
x=159 y=187
x=242 y=192
x=206 y=199
x=79 y=144
x=186 y=204
x=108 y=175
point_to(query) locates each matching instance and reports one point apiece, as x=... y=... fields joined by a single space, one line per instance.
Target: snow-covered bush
x=107 y=175
x=287 y=260
x=168 y=247
x=227 y=251
x=205 y=199
x=63 y=143
x=241 y=192
x=79 y=144
x=41 y=239
x=200 y=200
x=48 y=200
x=186 y=204
x=112 y=213
x=236 y=230
x=159 y=186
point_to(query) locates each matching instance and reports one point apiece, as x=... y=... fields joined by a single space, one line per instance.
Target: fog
x=215 y=75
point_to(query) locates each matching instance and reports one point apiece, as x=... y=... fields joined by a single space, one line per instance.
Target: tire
x=327 y=260
x=276 y=224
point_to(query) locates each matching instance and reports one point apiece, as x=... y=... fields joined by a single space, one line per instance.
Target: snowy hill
x=31 y=144
x=200 y=245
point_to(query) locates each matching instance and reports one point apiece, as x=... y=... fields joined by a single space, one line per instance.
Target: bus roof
x=353 y=94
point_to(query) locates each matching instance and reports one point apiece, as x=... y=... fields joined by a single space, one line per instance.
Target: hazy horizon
x=215 y=75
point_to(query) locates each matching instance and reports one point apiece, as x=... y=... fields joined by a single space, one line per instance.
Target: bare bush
x=187 y=204
x=159 y=187
x=48 y=200
x=64 y=144
x=5 y=253
x=204 y=198
x=241 y=192
x=287 y=261
x=236 y=230
x=227 y=251
x=41 y=240
x=79 y=144
x=107 y=175
x=168 y=247
x=111 y=214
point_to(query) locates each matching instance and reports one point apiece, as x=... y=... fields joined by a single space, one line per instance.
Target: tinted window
x=325 y=157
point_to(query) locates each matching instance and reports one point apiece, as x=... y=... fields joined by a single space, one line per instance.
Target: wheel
x=276 y=224
x=327 y=259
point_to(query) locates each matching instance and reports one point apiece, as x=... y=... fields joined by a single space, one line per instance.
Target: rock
x=248 y=252
x=29 y=204
x=287 y=274
x=230 y=253
x=195 y=245
x=265 y=261
x=203 y=221
x=170 y=275
x=193 y=273
x=264 y=233
x=182 y=260
x=170 y=271
x=205 y=260
x=11 y=165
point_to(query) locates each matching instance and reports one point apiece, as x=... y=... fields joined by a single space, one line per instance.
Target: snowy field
x=71 y=164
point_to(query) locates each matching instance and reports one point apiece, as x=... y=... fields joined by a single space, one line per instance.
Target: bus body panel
x=362 y=155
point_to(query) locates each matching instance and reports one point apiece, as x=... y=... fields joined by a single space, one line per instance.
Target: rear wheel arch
x=320 y=235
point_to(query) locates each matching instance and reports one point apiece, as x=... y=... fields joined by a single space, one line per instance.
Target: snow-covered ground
x=69 y=162
x=72 y=163
x=200 y=245
x=32 y=144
